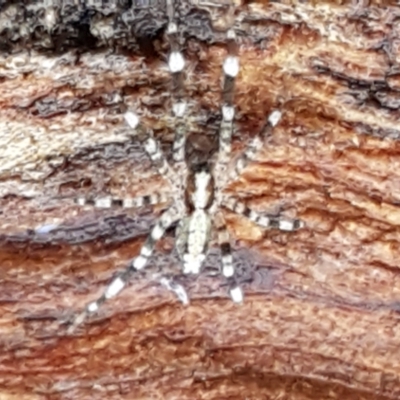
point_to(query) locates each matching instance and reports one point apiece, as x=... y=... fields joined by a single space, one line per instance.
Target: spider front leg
x=231 y=70
x=176 y=64
x=118 y=283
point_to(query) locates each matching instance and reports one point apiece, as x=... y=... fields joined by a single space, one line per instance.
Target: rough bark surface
x=320 y=318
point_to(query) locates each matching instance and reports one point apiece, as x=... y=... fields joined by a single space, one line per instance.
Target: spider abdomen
x=193 y=236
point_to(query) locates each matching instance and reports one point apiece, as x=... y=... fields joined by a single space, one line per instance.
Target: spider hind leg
x=167 y=218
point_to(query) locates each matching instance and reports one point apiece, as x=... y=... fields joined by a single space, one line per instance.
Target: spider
x=197 y=182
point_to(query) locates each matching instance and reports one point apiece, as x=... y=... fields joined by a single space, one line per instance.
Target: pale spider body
x=197 y=182
x=194 y=231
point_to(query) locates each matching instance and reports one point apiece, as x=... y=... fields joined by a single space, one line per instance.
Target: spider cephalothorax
x=197 y=178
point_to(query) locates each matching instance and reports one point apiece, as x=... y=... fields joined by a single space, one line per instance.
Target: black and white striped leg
x=137 y=264
x=153 y=150
x=133 y=202
x=228 y=269
x=176 y=64
x=262 y=220
x=255 y=144
x=151 y=145
x=231 y=69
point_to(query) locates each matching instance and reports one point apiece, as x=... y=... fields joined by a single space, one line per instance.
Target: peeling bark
x=320 y=316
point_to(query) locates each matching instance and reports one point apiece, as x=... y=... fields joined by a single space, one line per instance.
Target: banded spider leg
x=138 y=263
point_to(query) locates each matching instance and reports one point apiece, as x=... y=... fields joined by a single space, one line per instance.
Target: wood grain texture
x=320 y=318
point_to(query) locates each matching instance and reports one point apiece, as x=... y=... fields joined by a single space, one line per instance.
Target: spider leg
x=262 y=220
x=138 y=263
x=231 y=69
x=153 y=150
x=151 y=145
x=176 y=64
x=129 y=202
x=250 y=153
x=228 y=269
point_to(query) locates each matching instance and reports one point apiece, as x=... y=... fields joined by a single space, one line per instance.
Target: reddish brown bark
x=320 y=318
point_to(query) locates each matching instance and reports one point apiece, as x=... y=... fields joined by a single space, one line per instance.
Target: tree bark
x=320 y=316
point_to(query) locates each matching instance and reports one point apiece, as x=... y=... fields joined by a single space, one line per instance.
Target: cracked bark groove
x=320 y=320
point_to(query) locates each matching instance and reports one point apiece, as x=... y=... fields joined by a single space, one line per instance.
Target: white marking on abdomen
x=198 y=235
x=201 y=194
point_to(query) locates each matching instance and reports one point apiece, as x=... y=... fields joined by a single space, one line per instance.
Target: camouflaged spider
x=197 y=196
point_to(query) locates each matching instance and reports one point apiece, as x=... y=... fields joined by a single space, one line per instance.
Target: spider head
x=199 y=150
